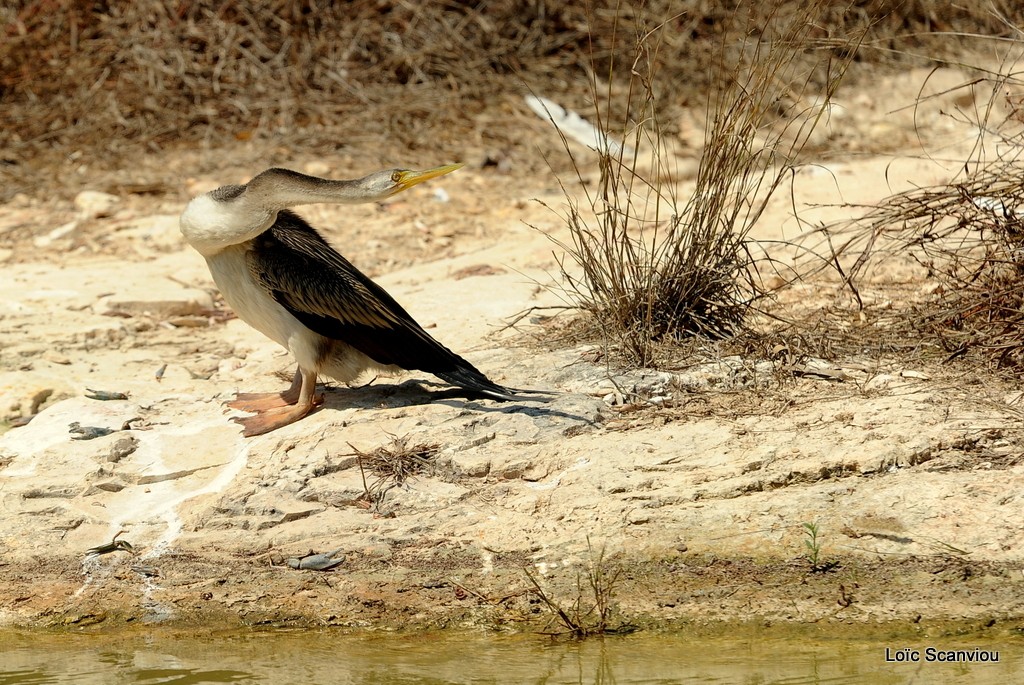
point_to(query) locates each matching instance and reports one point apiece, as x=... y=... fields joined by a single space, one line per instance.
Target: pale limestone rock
x=93 y=204
x=158 y=232
x=157 y=300
x=316 y=168
x=62 y=232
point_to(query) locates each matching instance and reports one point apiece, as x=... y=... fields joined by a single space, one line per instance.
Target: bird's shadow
x=415 y=392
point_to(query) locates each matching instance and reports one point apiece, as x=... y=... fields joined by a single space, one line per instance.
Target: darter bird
x=282 y=278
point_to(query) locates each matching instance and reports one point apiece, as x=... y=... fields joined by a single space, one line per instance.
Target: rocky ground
x=689 y=488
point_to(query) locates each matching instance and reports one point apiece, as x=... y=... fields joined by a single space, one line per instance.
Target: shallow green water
x=331 y=657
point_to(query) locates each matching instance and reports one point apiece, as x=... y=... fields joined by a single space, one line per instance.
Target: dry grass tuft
x=593 y=609
x=968 y=234
x=647 y=267
x=394 y=464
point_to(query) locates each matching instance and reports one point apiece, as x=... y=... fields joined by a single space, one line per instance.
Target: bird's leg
x=272 y=419
x=262 y=401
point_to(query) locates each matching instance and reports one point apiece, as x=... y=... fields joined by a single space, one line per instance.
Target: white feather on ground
x=997 y=207
x=576 y=127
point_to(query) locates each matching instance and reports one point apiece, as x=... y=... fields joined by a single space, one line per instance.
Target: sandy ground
x=695 y=484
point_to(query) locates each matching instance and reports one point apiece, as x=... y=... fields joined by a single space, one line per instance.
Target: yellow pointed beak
x=410 y=178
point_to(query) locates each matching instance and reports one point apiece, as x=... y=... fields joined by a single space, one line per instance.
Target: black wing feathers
x=324 y=291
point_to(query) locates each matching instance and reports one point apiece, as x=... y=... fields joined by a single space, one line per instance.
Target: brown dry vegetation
x=966 y=233
x=110 y=83
x=657 y=267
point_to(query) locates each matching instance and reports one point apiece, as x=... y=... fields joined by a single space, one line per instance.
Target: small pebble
x=122 y=448
x=317 y=562
x=105 y=395
x=88 y=432
x=92 y=204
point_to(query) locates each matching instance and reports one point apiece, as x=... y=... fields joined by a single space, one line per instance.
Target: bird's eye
x=396 y=176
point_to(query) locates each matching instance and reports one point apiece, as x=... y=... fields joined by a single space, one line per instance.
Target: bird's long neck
x=278 y=189
x=232 y=215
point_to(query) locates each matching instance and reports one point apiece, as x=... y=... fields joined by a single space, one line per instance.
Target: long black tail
x=468 y=378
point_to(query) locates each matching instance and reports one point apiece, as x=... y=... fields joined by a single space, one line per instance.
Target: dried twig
x=393 y=465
